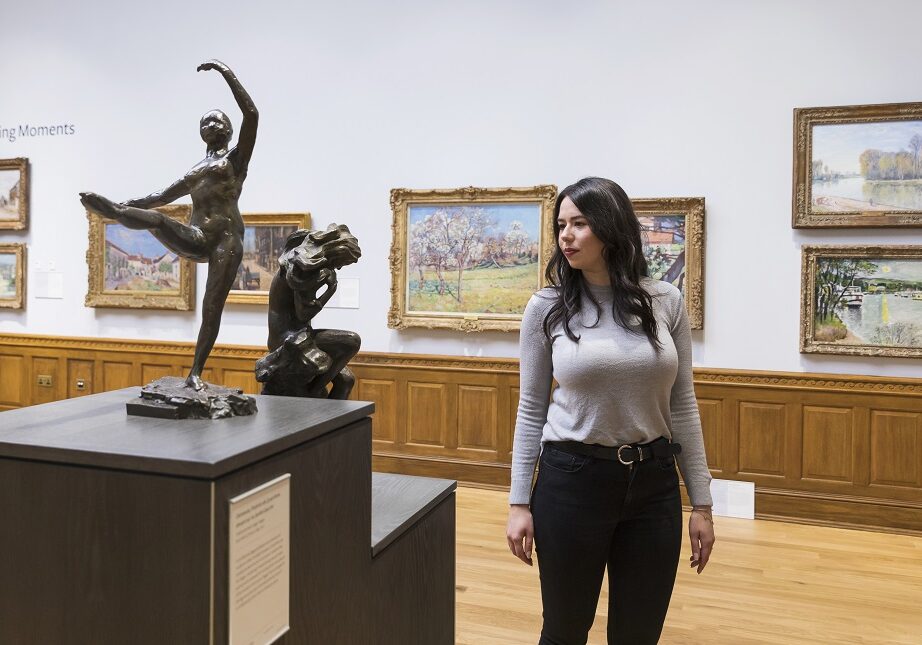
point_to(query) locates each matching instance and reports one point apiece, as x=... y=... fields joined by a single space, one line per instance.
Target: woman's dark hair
x=611 y=218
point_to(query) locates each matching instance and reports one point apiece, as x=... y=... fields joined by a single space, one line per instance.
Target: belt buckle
x=620 y=448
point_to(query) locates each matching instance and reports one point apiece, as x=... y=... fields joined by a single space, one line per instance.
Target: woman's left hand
x=701 y=533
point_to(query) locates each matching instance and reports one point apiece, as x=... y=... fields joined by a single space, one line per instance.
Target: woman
x=215 y=232
x=618 y=344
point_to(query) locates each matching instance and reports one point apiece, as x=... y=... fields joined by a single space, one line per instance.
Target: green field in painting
x=483 y=291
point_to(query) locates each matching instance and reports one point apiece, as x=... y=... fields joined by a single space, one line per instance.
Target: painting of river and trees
x=864 y=166
x=468 y=258
x=864 y=301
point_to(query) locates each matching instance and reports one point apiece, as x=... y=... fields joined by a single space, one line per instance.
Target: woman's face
x=577 y=242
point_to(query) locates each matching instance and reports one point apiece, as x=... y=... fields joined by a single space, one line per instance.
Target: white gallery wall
x=669 y=98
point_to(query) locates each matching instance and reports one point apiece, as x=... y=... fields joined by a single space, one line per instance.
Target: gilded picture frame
x=12 y=276
x=263 y=243
x=145 y=275
x=858 y=166
x=14 y=194
x=861 y=300
x=674 y=244
x=468 y=259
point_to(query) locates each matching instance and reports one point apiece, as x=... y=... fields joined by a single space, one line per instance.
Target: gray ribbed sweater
x=614 y=388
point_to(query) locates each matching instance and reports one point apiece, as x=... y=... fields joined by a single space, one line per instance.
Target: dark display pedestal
x=115 y=528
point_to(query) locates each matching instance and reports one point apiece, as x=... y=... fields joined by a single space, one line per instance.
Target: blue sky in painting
x=7 y=259
x=897 y=269
x=503 y=214
x=839 y=146
x=134 y=242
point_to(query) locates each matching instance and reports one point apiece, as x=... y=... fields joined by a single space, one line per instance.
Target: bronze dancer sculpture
x=215 y=232
x=303 y=361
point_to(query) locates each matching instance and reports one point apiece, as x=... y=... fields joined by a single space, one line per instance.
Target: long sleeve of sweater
x=535 y=375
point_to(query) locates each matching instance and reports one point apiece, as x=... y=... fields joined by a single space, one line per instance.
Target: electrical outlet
x=44 y=380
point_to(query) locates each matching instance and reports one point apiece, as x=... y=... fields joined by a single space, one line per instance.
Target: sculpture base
x=170 y=398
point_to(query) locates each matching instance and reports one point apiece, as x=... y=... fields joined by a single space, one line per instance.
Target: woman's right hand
x=520 y=532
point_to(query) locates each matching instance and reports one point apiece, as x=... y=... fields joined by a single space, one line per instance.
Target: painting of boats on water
x=860 y=169
x=468 y=258
x=864 y=301
x=673 y=244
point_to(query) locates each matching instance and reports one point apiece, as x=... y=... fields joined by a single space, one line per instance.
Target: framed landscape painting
x=263 y=243
x=14 y=193
x=862 y=300
x=858 y=166
x=468 y=258
x=132 y=269
x=673 y=237
x=12 y=276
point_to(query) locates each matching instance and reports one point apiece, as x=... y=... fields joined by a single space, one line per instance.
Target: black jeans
x=589 y=513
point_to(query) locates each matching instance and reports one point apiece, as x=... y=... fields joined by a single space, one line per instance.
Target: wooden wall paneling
x=896 y=448
x=383 y=393
x=507 y=437
x=478 y=415
x=792 y=453
x=711 y=412
x=12 y=381
x=80 y=372
x=152 y=371
x=861 y=476
x=762 y=431
x=427 y=417
x=830 y=449
x=46 y=366
x=118 y=374
x=245 y=380
x=828 y=443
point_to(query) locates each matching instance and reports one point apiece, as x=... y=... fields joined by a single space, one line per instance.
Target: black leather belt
x=627 y=454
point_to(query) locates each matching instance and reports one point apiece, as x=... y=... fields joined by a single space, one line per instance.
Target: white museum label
x=733 y=498
x=48 y=284
x=259 y=563
x=346 y=296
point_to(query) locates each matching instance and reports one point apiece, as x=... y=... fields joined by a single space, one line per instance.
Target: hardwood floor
x=768 y=582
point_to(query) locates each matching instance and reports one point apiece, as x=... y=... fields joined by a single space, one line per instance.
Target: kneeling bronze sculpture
x=303 y=361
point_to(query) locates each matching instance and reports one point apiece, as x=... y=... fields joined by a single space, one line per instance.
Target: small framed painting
x=858 y=166
x=12 y=275
x=263 y=243
x=133 y=269
x=14 y=193
x=468 y=258
x=862 y=300
x=673 y=243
